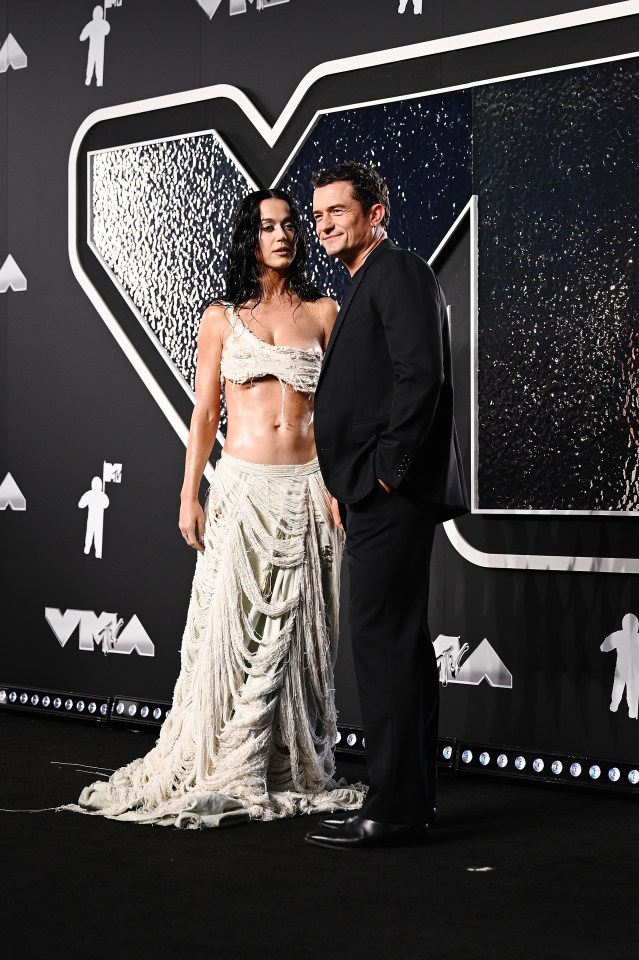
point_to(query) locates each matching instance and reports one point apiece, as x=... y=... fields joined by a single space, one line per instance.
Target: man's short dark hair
x=368 y=187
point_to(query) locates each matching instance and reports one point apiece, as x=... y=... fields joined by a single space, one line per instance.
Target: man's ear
x=377 y=213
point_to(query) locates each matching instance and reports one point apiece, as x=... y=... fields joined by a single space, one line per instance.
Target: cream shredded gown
x=252 y=725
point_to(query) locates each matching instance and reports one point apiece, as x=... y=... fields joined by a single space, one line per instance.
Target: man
x=388 y=452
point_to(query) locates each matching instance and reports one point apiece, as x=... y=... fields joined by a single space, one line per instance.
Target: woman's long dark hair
x=242 y=278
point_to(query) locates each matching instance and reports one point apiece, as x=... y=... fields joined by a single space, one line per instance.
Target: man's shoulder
x=395 y=268
x=392 y=256
x=400 y=276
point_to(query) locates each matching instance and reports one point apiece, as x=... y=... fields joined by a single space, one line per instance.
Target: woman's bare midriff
x=257 y=431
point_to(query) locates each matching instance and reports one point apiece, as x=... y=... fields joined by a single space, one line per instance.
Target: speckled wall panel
x=161 y=217
x=555 y=167
x=422 y=148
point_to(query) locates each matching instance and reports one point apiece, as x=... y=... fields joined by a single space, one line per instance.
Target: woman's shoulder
x=326 y=308
x=218 y=309
x=325 y=311
x=215 y=321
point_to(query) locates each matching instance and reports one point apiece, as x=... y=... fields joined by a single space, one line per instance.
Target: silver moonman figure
x=626 y=643
x=95 y=502
x=417 y=6
x=95 y=32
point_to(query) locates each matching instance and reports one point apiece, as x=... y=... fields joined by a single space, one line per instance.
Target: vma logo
x=11 y=276
x=211 y=7
x=12 y=55
x=11 y=496
x=482 y=664
x=103 y=630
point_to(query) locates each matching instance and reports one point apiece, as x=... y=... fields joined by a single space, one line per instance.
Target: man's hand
x=335 y=512
x=385 y=485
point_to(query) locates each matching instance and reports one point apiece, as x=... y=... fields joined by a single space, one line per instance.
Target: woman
x=252 y=724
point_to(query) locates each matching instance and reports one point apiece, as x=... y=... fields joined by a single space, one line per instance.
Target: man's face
x=344 y=230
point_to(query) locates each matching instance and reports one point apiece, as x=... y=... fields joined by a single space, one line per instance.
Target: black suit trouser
x=389 y=539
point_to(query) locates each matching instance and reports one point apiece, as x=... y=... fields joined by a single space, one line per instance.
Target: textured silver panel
x=161 y=216
x=558 y=339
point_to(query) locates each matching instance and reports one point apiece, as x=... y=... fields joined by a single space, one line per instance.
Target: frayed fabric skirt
x=252 y=726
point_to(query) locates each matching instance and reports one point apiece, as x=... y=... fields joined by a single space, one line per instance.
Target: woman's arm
x=330 y=309
x=204 y=422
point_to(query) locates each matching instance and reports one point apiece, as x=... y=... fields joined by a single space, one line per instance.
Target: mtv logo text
x=482 y=664
x=100 y=630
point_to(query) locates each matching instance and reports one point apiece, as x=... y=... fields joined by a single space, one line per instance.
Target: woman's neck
x=274 y=286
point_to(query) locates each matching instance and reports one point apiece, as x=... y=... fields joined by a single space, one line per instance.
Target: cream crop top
x=246 y=357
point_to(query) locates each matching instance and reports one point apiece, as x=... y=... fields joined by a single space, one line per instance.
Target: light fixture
x=139 y=711
x=528 y=765
x=350 y=742
x=37 y=700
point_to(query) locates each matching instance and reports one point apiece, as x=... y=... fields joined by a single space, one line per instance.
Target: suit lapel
x=356 y=281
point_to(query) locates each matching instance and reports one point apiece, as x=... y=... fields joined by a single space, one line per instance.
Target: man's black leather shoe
x=334 y=823
x=359 y=833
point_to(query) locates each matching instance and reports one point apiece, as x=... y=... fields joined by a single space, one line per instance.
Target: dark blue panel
x=422 y=148
x=555 y=169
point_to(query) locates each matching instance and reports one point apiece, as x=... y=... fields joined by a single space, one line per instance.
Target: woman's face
x=277 y=240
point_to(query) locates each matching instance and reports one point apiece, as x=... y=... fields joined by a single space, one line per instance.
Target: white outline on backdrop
x=271 y=135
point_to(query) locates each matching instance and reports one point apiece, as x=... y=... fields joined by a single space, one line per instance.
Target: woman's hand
x=191 y=523
x=335 y=512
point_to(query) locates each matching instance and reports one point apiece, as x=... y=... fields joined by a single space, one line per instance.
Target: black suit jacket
x=384 y=401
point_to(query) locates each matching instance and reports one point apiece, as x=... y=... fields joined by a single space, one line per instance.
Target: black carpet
x=562 y=884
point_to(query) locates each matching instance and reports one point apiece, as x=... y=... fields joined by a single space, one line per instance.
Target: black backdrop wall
x=88 y=394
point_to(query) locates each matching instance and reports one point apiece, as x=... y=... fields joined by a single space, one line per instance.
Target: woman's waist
x=233 y=462
x=273 y=439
